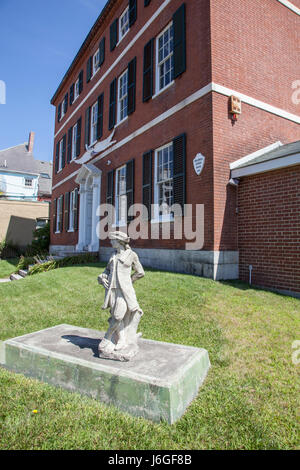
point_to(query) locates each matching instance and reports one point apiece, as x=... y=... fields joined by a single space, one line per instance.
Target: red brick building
x=148 y=91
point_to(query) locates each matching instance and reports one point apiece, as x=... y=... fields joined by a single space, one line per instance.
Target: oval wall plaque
x=199 y=163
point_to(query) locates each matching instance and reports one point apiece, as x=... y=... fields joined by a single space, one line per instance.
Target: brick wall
x=269 y=228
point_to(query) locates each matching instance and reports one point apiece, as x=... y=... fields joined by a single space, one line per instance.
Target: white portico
x=89 y=179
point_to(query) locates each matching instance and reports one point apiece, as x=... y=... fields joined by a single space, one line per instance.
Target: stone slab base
x=158 y=384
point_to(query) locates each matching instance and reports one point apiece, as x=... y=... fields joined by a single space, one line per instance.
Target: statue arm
x=138 y=270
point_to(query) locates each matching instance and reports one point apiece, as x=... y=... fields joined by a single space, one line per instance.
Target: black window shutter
x=67 y=212
x=102 y=51
x=76 y=212
x=132 y=12
x=54 y=215
x=72 y=87
x=179 y=177
x=66 y=102
x=89 y=69
x=69 y=150
x=100 y=117
x=112 y=104
x=61 y=213
x=147 y=2
x=130 y=187
x=113 y=34
x=59 y=113
x=78 y=138
x=80 y=78
x=131 y=86
x=148 y=71
x=87 y=126
x=147 y=182
x=63 y=159
x=110 y=187
x=57 y=158
x=179 y=48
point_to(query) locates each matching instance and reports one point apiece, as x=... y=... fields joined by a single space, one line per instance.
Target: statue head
x=119 y=238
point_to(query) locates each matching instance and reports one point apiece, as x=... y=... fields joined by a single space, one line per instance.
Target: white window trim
x=73 y=155
x=76 y=95
x=119 y=120
x=156 y=217
x=59 y=201
x=94 y=72
x=28 y=179
x=120 y=36
x=118 y=223
x=92 y=142
x=60 y=156
x=157 y=89
x=71 y=210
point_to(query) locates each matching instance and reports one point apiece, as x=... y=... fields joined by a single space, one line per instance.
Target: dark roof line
x=108 y=6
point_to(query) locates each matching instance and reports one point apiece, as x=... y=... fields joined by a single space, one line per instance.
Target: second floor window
x=122 y=96
x=165 y=59
x=28 y=182
x=74 y=141
x=76 y=89
x=60 y=155
x=94 y=119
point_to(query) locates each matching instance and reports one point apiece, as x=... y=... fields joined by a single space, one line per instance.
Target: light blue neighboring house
x=22 y=177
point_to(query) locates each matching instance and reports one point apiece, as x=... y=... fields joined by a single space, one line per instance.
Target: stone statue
x=121 y=339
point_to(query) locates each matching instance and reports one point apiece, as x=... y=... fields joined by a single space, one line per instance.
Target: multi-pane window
x=74 y=140
x=96 y=62
x=94 y=118
x=121 y=196
x=122 y=96
x=60 y=155
x=124 y=24
x=59 y=213
x=28 y=182
x=164 y=179
x=76 y=89
x=165 y=58
x=71 y=212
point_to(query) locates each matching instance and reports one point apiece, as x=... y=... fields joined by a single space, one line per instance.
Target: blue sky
x=38 y=41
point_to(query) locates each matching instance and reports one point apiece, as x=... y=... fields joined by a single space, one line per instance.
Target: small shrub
x=24 y=262
x=40 y=243
x=41 y=268
x=64 y=262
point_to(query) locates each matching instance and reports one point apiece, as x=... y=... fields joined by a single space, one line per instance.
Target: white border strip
x=289 y=5
x=256 y=154
x=257 y=103
x=270 y=165
x=139 y=34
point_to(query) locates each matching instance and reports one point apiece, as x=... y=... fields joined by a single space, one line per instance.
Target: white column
x=94 y=245
x=82 y=211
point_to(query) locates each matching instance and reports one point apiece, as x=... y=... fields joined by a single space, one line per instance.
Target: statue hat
x=121 y=236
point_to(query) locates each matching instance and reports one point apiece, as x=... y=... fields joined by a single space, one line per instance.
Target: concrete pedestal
x=158 y=384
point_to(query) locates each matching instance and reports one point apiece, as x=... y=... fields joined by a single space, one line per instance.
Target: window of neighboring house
x=96 y=62
x=28 y=182
x=164 y=59
x=74 y=141
x=122 y=96
x=164 y=181
x=121 y=197
x=124 y=24
x=94 y=118
x=59 y=214
x=76 y=90
x=60 y=155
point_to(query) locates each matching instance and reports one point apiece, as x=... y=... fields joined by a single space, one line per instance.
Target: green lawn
x=8 y=267
x=248 y=401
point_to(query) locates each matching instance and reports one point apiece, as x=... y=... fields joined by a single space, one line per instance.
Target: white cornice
x=276 y=164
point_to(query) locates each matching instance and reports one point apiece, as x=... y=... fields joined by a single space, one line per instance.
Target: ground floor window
x=121 y=196
x=163 y=193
